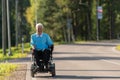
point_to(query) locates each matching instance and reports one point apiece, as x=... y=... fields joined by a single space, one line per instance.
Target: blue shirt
x=41 y=42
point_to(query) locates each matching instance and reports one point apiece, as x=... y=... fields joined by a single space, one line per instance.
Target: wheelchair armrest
x=51 y=48
x=32 y=51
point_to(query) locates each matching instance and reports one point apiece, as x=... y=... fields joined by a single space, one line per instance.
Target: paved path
x=86 y=61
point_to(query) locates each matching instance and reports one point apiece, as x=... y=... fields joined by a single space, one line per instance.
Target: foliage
x=23 y=25
x=17 y=52
x=50 y=19
x=54 y=14
x=30 y=13
x=6 y=69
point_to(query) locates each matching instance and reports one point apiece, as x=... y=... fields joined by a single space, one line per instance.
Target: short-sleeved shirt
x=41 y=42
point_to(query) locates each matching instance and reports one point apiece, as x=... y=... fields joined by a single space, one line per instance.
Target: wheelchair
x=42 y=68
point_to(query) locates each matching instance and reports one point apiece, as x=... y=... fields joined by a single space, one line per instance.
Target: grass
x=17 y=52
x=14 y=56
x=118 y=47
x=7 y=68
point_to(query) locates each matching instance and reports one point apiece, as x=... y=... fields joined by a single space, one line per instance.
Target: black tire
x=53 y=72
x=32 y=73
x=32 y=70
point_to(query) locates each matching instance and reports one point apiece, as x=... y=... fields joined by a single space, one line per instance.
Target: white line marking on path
x=113 y=49
x=111 y=62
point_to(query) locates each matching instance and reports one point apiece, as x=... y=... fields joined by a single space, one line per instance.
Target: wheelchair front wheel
x=52 y=70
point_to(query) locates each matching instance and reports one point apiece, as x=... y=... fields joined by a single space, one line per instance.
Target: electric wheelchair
x=42 y=68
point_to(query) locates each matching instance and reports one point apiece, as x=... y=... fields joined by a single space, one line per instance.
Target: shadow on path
x=94 y=44
x=20 y=60
x=63 y=77
x=85 y=77
x=89 y=70
x=88 y=58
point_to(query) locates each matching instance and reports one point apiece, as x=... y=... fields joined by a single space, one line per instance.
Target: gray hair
x=39 y=24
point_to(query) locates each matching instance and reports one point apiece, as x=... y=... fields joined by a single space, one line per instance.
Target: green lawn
x=7 y=68
x=17 y=52
x=118 y=47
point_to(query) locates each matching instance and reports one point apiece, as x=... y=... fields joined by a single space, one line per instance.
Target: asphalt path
x=84 y=61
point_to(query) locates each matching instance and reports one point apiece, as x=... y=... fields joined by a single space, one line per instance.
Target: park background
x=64 y=20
